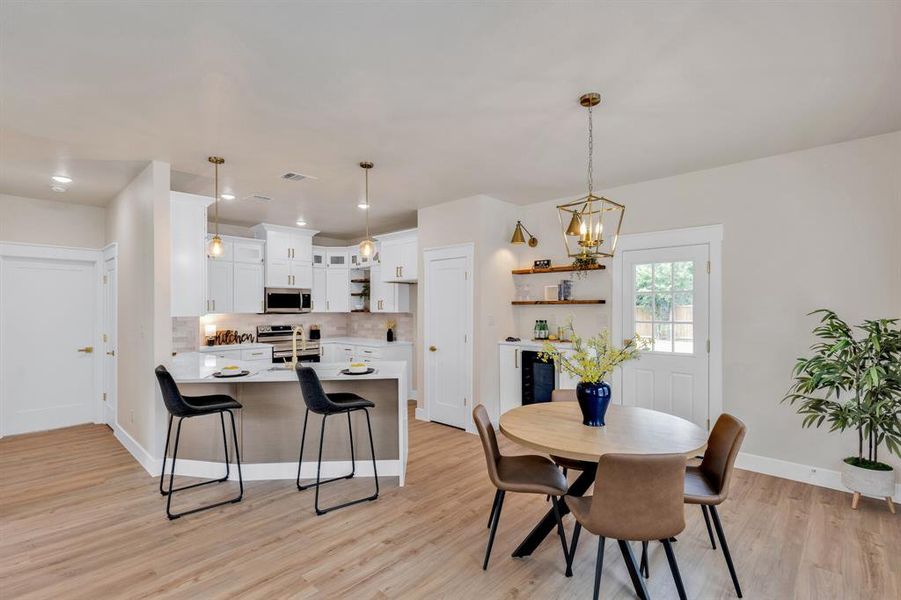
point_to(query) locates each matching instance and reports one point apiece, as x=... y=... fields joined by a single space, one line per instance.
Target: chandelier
x=590 y=224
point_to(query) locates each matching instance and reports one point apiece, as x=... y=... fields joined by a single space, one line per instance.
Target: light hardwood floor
x=79 y=518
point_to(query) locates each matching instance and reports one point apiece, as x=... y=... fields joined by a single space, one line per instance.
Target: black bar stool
x=324 y=404
x=185 y=407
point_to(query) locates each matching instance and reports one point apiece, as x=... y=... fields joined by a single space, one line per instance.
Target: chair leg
x=171 y=491
x=709 y=529
x=643 y=565
x=725 y=547
x=572 y=549
x=599 y=566
x=303 y=439
x=497 y=518
x=353 y=460
x=674 y=567
x=319 y=481
x=560 y=531
x=637 y=581
x=165 y=452
x=493 y=508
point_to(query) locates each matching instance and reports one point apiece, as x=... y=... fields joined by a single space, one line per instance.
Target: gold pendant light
x=216 y=248
x=589 y=219
x=367 y=246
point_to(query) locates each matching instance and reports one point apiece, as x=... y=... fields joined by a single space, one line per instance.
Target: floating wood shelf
x=557 y=269
x=366 y=310
x=359 y=281
x=538 y=302
x=360 y=294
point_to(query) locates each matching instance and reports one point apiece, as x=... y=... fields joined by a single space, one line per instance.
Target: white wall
x=138 y=221
x=810 y=229
x=35 y=221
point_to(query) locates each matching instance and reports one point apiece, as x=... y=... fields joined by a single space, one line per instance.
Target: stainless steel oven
x=280 y=338
x=288 y=300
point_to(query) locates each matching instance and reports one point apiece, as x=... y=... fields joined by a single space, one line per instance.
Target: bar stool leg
x=319 y=466
x=237 y=458
x=303 y=439
x=350 y=431
x=165 y=452
x=225 y=443
x=375 y=473
x=172 y=472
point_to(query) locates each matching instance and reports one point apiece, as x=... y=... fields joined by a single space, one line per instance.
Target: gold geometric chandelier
x=590 y=224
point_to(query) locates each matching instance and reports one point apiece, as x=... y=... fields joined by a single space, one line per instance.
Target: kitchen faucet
x=303 y=343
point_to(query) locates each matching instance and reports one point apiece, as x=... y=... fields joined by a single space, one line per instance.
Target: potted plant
x=853 y=381
x=592 y=360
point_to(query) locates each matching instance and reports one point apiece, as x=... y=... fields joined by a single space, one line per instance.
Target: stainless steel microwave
x=288 y=300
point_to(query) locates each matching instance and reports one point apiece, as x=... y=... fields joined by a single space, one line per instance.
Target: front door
x=448 y=321
x=665 y=299
x=47 y=343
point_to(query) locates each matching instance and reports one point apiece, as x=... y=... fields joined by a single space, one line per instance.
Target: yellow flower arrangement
x=594 y=358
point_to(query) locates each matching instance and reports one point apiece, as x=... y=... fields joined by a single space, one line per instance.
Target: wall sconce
x=519 y=238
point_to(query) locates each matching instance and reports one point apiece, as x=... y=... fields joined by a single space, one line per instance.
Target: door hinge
x=708 y=346
x=104 y=396
x=465 y=338
x=105 y=279
x=465 y=402
x=104 y=337
x=465 y=275
x=708 y=424
x=708 y=266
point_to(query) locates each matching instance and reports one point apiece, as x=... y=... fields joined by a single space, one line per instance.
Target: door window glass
x=663 y=305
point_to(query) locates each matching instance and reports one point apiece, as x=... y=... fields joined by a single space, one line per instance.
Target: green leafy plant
x=592 y=359
x=853 y=382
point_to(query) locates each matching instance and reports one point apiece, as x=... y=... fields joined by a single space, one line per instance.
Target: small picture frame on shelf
x=550 y=292
x=544 y=263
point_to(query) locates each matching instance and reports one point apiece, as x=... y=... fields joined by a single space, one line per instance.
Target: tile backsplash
x=187 y=332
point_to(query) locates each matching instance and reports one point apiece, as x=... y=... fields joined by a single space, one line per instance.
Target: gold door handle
x=433 y=349
x=87 y=349
x=111 y=353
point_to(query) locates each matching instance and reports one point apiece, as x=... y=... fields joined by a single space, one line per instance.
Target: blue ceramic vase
x=594 y=398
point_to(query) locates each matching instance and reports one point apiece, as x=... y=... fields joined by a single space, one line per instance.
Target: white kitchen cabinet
x=247 y=251
x=337 y=290
x=248 y=284
x=289 y=255
x=510 y=377
x=318 y=289
x=399 y=254
x=188 y=223
x=337 y=258
x=220 y=286
x=387 y=297
x=566 y=381
x=264 y=354
x=318 y=257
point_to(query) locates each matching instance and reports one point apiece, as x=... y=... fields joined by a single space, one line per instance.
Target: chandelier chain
x=590 y=152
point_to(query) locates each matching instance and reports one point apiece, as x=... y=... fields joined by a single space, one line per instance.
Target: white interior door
x=448 y=335
x=49 y=314
x=665 y=299
x=109 y=358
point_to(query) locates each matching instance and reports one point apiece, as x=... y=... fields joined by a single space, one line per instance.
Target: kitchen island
x=271 y=420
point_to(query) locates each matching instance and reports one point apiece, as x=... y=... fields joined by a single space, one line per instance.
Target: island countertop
x=196 y=367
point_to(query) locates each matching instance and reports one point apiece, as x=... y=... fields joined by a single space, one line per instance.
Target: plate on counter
x=349 y=372
x=230 y=374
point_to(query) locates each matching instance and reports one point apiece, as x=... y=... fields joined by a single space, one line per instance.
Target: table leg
x=549 y=522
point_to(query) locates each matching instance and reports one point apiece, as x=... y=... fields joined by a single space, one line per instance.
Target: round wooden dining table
x=556 y=428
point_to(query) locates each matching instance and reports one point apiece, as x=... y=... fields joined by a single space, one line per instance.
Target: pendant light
x=367 y=246
x=216 y=248
x=589 y=220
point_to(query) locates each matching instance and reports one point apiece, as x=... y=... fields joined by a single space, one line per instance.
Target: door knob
x=112 y=352
x=433 y=349
x=87 y=349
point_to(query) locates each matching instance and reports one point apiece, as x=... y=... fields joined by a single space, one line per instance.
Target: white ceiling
x=448 y=100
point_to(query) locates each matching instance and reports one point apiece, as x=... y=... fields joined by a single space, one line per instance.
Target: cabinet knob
x=433 y=349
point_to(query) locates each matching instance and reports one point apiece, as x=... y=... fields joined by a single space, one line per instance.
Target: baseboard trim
x=420 y=414
x=826 y=478
x=282 y=470
x=150 y=464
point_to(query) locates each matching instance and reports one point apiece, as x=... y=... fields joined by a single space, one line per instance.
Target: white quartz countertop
x=195 y=367
x=531 y=344
x=247 y=346
x=358 y=341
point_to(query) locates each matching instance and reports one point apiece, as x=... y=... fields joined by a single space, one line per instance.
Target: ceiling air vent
x=292 y=176
x=258 y=198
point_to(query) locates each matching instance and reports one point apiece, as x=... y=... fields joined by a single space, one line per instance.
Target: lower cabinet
x=510 y=377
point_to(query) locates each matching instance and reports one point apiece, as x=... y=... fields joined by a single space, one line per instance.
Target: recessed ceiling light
x=301 y=222
x=61 y=179
x=363 y=205
x=58 y=188
x=227 y=196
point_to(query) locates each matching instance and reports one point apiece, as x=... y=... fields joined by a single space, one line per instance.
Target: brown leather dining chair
x=708 y=483
x=640 y=499
x=529 y=474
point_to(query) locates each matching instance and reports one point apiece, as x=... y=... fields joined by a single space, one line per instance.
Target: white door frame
x=710 y=235
x=465 y=251
x=95 y=257
x=110 y=407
